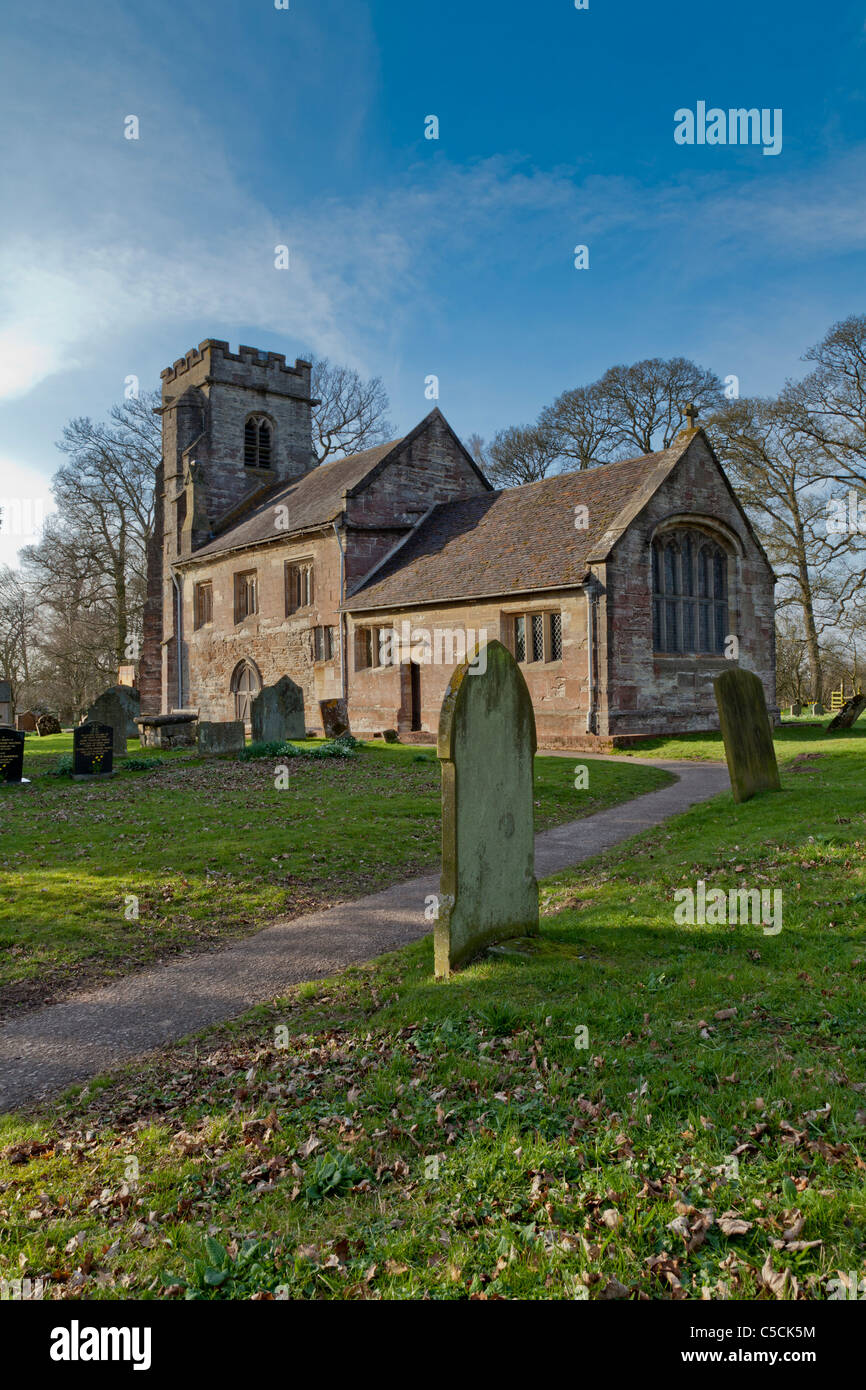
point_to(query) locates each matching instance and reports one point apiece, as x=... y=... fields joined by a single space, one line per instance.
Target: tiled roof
x=519 y=539
x=312 y=500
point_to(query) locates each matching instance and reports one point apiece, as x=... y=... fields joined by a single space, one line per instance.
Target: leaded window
x=689 y=594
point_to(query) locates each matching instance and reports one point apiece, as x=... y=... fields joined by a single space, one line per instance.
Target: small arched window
x=689 y=594
x=258 y=440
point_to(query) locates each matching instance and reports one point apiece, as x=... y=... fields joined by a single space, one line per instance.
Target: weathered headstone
x=796 y=711
x=11 y=756
x=47 y=724
x=174 y=730
x=218 y=737
x=6 y=703
x=335 y=720
x=747 y=733
x=848 y=714
x=92 y=750
x=26 y=721
x=118 y=706
x=486 y=747
x=277 y=712
x=817 y=707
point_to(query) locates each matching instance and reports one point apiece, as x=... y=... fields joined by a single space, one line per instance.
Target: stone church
x=366 y=578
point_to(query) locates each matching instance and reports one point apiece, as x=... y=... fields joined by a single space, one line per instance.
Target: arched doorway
x=246 y=683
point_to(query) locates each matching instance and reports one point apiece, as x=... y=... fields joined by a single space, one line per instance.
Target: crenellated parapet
x=213 y=361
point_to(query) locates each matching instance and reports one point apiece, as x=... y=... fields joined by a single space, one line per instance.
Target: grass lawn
x=791 y=738
x=212 y=850
x=386 y=1136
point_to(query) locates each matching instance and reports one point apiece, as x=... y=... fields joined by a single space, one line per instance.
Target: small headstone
x=92 y=750
x=119 y=707
x=47 y=724
x=848 y=714
x=216 y=737
x=796 y=711
x=335 y=720
x=11 y=756
x=817 y=708
x=747 y=732
x=277 y=712
x=486 y=745
x=26 y=722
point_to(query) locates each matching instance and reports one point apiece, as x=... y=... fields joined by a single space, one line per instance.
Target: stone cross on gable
x=691 y=414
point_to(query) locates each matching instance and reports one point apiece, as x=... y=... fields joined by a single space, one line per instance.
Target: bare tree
x=833 y=399
x=16 y=631
x=584 y=425
x=645 y=403
x=105 y=495
x=778 y=476
x=352 y=414
x=521 y=454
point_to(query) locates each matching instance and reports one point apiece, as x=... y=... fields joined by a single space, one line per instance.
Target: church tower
x=234 y=426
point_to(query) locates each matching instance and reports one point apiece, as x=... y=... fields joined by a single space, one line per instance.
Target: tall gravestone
x=277 y=712
x=92 y=750
x=117 y=706
x=747 y=733
x=486 y=748
x=848 y=714
x=11 y=756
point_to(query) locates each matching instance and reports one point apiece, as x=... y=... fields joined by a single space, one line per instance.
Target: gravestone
x=220 y=737
x=817 y=708
x=175 y=730
x=747 y=732
x=486 y=747
x=26 y=722
x=11 y=756
x=796 y=711
x=6 y=703
x=92 y=750
x=335 y=720
x=118 y=706
x=277 y=712
x=47 y=724
x=848 y=714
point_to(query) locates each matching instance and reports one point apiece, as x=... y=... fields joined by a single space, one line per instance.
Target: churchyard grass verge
x=213 y=850
x=625 y=1108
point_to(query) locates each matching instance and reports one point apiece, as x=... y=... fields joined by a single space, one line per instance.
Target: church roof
x=312 y=500
x=519 y=539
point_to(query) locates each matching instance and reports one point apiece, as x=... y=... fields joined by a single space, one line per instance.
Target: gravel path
x=47 y=1049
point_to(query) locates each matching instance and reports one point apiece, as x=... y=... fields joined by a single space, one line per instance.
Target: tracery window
x=689 y=593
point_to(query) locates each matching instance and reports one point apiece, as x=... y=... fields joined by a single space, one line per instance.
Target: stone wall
x=431 y=467
x=671 y=693
x=277 y=645
x=380 y=697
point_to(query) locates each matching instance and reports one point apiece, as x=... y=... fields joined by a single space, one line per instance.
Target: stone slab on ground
x=44 y=1050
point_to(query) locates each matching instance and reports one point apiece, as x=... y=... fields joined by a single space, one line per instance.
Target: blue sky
x=412 y=257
